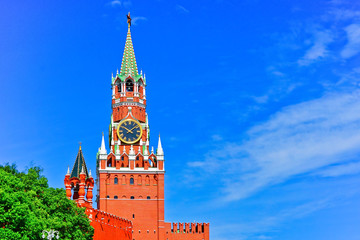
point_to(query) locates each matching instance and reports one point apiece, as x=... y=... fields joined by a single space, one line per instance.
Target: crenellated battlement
x=193 y=231
x=109 y=226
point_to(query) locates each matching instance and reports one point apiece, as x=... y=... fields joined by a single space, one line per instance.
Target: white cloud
x=343 y=14
x=115 y=3
x=254 y=229
x=339 y=170
x=299 y=139
x=318 y=49
x=216 y=137
x=135 y=20
x=182 y=9
x=353 y=46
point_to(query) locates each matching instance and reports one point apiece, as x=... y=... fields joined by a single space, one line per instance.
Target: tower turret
x=80 y=182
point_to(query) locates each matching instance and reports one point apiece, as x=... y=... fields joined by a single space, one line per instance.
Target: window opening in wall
x=148 y=197
x=131 y=181
x=116 y=180
x=133 y=215
x=107 y=196
x=132 y=197
x=129 y=85
x=137 y=158
x=115 y=197
x=118 y=84
x=122 y=158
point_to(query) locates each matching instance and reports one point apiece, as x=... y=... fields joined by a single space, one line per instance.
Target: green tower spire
x=128 y=65
x=78 y=165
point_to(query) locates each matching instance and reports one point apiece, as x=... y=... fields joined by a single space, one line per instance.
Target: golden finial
x=103 y=133
x=128 y=19
x=79 y=145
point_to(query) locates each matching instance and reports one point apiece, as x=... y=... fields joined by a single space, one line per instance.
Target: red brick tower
x=80 y=182
x=130 y=178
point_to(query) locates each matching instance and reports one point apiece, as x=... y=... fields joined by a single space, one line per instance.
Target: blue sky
x=257 y=103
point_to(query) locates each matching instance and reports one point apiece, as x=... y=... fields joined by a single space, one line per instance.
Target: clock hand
x=127 y=129
x=131 y=129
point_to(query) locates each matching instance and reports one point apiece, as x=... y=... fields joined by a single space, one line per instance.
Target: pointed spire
x=82 y=170
x=146 y=153
x=128 y=65
x=68 y=171
x=131 y=152
x=102 y=148
x=79 y=166
x=117 y=152
x=159 y=148
x=152 y=150
x=90 y=173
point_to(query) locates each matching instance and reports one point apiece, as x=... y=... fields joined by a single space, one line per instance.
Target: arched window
x=116 y=180
x=122 y=158
x=132 y=197
x=139 y=180
x=109 y=163
x=148 y=197
x=131 y=181
x=123 y=180
x=129 y=85
x=118 y=84
x=115 y=197
x=137 y=158
x=107 y=196
x=147 y=180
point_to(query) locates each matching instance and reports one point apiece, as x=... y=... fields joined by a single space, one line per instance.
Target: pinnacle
x=128 y=65
x=79 y=166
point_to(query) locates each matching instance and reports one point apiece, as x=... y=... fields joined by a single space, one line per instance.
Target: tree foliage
x=28 y=206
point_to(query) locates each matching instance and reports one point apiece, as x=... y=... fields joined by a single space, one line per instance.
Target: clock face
x=129 y=131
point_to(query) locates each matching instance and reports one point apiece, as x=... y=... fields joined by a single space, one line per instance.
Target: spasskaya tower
x=130 y=175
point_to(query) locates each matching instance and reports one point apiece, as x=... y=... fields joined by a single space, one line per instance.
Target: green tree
x=28 y=206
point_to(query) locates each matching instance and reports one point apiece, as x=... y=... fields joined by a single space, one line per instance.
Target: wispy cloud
x=118 y=3
x=256 y=229
x=114 y=3
x=181 y=9
x=135 y=20
x=339 y=170
x=318 y=50
x=299 y=139
x=353 y=45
